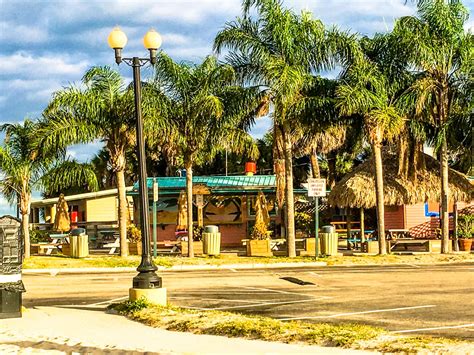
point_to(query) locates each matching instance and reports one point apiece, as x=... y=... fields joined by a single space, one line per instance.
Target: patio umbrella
x=62 y=222
x=261 y=209
x=182 y=222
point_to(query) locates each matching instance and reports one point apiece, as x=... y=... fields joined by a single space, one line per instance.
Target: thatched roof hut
x=357 y=189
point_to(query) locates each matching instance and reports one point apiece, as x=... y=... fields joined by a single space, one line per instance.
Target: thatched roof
x=357 y=189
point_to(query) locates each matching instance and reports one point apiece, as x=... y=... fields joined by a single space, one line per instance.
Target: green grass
x=357 y=336
x=59 y=261
x=246 y=326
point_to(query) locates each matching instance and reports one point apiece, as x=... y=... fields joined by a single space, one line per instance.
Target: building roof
x=221 y=184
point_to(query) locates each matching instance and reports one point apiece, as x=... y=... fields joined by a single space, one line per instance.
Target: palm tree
x=365 y=90
x=441 y=52
x=279 y=51
x=205 y=111
x=23 y=168
x=102 y=110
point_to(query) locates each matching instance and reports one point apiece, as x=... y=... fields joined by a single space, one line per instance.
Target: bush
x=466 y=226
x=134 y=235
x=259 y=231
x=38 y=236
x=304 y=222
x=197 y=233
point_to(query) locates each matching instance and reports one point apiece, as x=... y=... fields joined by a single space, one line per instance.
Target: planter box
x=371 y=247
x=259 y=248
x=465 y=244
x=309 y=247
x=135 y=248
x=66 y=249
x=197 y=246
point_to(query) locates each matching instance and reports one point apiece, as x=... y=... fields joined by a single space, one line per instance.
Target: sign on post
x=155 y=191
x=316 y=187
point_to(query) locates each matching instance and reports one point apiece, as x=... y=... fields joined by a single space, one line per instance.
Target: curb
x=99 y=270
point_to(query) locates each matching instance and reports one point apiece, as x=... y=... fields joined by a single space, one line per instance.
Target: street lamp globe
x=152 y=41
x=117 y=40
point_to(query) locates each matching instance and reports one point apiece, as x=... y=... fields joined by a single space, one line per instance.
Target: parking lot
x=411 y=299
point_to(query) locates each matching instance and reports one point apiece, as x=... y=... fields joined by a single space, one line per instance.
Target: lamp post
x=146 y=279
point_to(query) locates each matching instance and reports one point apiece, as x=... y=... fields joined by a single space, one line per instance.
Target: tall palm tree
x=279 y=51
x=365 y=90
x=23 y=168
x=102 y=109
x=441 y=52
x=206 y=111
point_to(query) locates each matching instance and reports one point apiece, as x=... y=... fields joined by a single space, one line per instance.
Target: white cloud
x=11 y=32
x=20 y=63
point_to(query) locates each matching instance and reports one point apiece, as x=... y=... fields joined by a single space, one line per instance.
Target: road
x=413 y=299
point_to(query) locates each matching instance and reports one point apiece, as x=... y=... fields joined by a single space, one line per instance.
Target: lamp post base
x=147 y=280
x=156 y=296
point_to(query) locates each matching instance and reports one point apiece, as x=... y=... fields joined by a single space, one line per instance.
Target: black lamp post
x=146 y=278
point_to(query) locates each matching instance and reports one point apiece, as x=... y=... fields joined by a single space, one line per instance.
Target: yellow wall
x=101 y=209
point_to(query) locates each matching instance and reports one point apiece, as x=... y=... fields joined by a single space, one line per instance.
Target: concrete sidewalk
x=66 y=330
x=96 y=270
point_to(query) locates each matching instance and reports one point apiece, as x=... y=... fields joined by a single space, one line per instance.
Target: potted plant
x=303 y=224
x=134 y=236
x=466 y=231
x=197 y=242
x=259 y=243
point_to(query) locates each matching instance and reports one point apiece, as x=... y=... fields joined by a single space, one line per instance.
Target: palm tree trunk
x=289 y=205
x=379 y=198
x=189 y=201
x=25 y=222
x=444 y=198
x=315 y=164
x=122 y=212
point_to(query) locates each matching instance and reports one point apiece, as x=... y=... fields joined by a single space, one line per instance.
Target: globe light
x=117 y=39
x=152 y=40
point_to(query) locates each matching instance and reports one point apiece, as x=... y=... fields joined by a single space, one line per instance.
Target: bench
x=113 y=245
x=427 y=245
x=173 y=246
x=44 y=248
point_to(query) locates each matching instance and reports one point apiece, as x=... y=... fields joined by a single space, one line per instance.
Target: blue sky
x=45 y=45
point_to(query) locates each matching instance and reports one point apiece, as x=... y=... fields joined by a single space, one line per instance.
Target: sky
x=48 y=44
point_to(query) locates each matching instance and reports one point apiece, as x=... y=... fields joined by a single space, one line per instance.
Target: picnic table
x=109 y=239
x=398 y=233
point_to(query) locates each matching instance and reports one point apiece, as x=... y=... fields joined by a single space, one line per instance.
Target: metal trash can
x=211 y=240
x=329 y=243
x=328 y=229
x=11 y=256
x=79 y=241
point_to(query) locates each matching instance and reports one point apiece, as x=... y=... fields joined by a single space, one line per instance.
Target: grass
x=246 y=326
x=59 y=261
x=357 y=336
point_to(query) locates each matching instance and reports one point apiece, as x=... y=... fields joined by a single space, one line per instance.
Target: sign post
x=155 y=200
x=316 y=189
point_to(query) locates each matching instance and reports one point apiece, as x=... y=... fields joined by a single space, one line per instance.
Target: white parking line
x=426 y=329
x=108 y=301
x=255 y=305
x=364 y=312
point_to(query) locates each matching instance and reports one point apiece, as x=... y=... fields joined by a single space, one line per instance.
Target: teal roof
x=236 y=183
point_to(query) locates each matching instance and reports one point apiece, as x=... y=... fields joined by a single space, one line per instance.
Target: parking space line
x=255 y=305
x=363 y=312
x=108 y=301
x=212 y=299
x=276 y=291
x=436 y=328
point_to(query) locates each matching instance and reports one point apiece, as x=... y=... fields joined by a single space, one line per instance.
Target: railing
x=92 y=228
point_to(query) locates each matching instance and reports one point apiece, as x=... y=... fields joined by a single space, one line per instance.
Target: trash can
x=328 y=229
x=79 y=241
x=329 y=243
x=11 y=256
x=211 y=239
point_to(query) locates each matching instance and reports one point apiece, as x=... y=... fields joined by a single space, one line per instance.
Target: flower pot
x=465 y=244
x=135 y=248
x=259 y=248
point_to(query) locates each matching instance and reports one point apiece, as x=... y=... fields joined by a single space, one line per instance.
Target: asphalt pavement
x=411 y=299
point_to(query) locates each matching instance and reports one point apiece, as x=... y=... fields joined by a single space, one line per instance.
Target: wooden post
x=455 y=226
x=348 y=227
x=362 y=226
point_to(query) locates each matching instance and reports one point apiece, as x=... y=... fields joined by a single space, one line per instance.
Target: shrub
x=38 y=236
x=134 y=235
x=466 y=226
